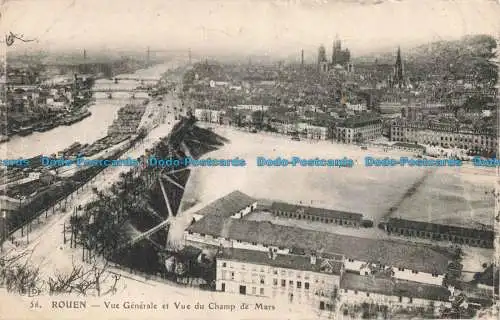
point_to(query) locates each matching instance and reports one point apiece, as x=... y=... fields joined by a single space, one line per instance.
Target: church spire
x=398 y=70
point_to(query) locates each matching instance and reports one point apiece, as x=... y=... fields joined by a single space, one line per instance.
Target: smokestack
x=302 y=57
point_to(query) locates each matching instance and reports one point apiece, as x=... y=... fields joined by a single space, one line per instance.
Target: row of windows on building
x=483 y=140
x=262 y=292
x=314 y=218
x=282 y=272
x=366 y=131
x=291 y=284
x=476 y=241
x=445 y=138
x=439 y=130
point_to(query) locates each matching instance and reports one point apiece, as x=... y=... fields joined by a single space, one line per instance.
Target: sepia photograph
x=249 y=159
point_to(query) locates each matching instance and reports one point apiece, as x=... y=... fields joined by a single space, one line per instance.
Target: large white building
x=312 y=280
x=359 y=128
x=208 y=115
x=445 y=136
x=310 y=131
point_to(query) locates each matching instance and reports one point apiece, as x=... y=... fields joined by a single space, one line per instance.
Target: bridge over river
x=113 y=93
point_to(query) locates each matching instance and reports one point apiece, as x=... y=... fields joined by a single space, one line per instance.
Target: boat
x=46 y=127
x=25 y=131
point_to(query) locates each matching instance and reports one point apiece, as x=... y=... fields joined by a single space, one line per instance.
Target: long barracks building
x=316 y=214
x=446 y=136
x=462 y=235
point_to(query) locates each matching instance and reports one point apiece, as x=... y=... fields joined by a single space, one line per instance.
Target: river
x=88 y=130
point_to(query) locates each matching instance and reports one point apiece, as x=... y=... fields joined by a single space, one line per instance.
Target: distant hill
x=469 y=55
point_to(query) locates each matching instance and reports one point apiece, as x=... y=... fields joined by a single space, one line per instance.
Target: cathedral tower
x=398 y=71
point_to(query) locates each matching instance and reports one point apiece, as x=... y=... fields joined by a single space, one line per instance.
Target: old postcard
x=237 y=159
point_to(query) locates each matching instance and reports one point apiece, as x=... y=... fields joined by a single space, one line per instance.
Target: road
x=48 y=234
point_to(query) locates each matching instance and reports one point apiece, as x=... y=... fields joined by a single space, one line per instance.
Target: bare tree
x=18 y=275
x=85 y=280
x=66 y=282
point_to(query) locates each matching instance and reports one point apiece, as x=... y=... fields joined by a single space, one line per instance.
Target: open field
x=446 y=194
x=452 y=198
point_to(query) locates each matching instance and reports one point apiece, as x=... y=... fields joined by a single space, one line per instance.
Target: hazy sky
x=281 y=27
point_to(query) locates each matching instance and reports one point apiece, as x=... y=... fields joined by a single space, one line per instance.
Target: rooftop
x=287 y=261
x=227 y=205
x=393 y=287
x=399 y=253
x=319 y=212
x=361 y=120
x=485 y=232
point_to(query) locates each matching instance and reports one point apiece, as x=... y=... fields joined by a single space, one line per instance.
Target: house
x=312 y=280
x=235 y=204
x=184 y=260
x=47 y=177
x=379 y=290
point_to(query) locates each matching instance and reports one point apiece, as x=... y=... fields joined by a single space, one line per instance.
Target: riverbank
x=87 y=130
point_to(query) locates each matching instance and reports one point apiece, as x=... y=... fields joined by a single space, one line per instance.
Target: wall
x=243 y=212
x=418 y=277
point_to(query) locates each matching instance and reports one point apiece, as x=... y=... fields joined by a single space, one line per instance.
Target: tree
x=18 y=275
x=84 y=280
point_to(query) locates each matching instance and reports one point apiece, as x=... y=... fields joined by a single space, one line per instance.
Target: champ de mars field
x=455 y=195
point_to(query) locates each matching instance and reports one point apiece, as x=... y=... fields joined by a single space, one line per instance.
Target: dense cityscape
x=354 y=244
x=454 y=110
